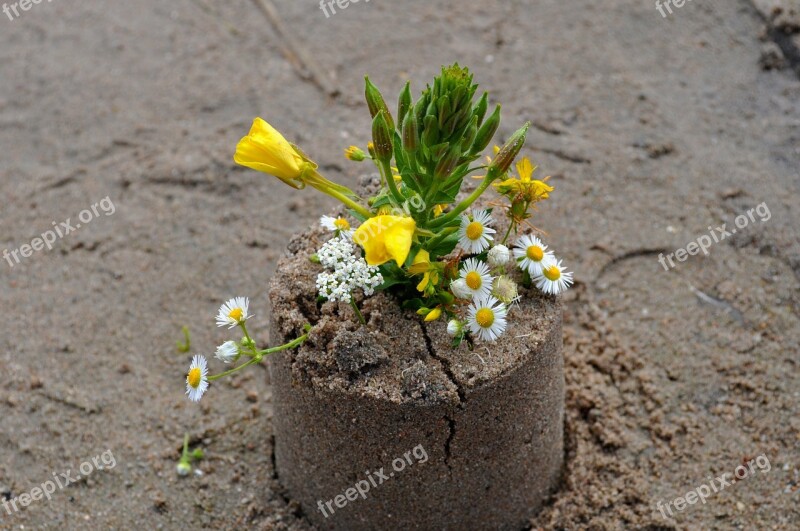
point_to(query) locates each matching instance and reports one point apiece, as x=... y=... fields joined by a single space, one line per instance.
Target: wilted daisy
x=338 y=225
x=505 y=289
x=460 y=289
x=197 y=378
x=475 y=235
x=531 y=254
x=233 y=312
x=487 y=318
x=554 y=279
x=498 y=256
x=477 y=278
x=227 y=352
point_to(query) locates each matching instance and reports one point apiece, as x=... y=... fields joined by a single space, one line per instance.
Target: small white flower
x=454 y=327
x=336 y=253
x=233 y=312
x=227 y=352
x=348 y=274
x=338 y=225
x=487 y=318
x=554 y=279
x=460 y=289
x=477 y=277
x=475 y=235
x=531 y=254
x=197 y=378
x=498 y=256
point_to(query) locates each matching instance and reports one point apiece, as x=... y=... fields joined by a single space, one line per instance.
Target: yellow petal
x=265 y=149
x=386 y=237
x=424 y=282
x=525 y=169
x=398 y=239
x=421 y=263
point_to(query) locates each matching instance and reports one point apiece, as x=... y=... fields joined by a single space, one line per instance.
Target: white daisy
x=554 y=279
x=475 y=235
x=531 y=254
x=460 y=289
x=227 y=352
x=338 y=225
x=477 y=278
x=233 y=312
x=498 y=256
x=197 y=378
x=487 y=318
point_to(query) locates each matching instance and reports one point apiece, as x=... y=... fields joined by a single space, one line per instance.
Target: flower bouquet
x=420 y=242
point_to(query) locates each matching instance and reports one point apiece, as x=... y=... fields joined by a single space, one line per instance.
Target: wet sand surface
x=656 y=132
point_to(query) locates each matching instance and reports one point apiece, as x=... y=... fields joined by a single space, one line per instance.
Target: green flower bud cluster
x=431 y=144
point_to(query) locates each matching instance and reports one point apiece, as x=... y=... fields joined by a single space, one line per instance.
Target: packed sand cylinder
x=387 y=426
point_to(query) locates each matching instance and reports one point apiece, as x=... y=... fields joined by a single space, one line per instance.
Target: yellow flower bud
x=355 y=154
x=433 y=314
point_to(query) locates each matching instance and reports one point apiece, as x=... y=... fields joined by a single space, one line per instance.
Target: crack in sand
x=462 y=399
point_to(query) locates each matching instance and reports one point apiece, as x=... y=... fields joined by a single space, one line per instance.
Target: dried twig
x=305 y=65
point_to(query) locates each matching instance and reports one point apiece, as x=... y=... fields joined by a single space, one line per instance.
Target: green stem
x=433 y=242
x=249 y=362
x=358 y=312
x=386 y=171
x=505 y=238
x=465 y=204
x=259 y=355
x=431 y=194
x=291 y=344
x=349 y=202
x=250 y=342
x=313 y=178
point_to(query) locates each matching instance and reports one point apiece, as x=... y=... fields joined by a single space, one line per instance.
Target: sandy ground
x=654 y=129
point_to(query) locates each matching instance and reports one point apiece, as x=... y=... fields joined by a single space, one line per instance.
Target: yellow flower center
x=474 y=280
x=342 y=224
x=485 y=317
x=474 y=230
x=236 y=314
x=535 y=253
x=552 y=273
x=195 y=375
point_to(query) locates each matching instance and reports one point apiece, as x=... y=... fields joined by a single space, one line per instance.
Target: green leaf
x=446 y=246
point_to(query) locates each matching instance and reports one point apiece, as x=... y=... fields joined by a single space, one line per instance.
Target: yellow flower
x=265 y=149
x=386 y=238
x=422 y=266
x=528 y=189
